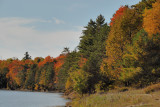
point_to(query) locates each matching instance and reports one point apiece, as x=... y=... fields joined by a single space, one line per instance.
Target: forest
x=124 y=52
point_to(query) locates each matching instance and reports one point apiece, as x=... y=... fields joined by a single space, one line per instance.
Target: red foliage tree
x=59 y=61
x=118 y=14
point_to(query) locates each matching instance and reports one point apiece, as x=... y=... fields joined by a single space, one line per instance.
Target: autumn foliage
x=126 y=53
x=47 y=59
x=58 y=63
x=152 y=19
x=31 y=74
x=118 y=14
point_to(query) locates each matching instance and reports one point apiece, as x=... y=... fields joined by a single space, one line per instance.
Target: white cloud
x=16 y=39
x=58 y=21
x=18 y=20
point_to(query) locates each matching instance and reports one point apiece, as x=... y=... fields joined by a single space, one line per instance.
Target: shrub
x=152 y=88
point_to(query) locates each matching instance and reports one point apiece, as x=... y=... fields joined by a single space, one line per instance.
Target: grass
x=131 y=98
x=152 y=88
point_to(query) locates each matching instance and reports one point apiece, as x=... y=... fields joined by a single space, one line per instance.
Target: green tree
x=47 y=77
x=94 y=37
x=92 y=46
x=141 y=60
x=22 y=77
x=142 y=5
x=26 y=56
x=65 y=51
x=30 y=77
x=3 y=79
x=70 y=65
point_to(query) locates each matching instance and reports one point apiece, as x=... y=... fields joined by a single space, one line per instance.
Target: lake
x=30 y=99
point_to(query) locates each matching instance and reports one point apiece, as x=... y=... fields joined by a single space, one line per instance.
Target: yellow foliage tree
x=121 y=34
x=42 y=80
x=80 y=80
x=69 y=85
x=151 y=19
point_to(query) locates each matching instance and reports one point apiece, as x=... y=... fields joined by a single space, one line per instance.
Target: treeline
x=125 y=52
x=37 y=74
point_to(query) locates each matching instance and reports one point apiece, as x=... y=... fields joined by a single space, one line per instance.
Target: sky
x=45 y=27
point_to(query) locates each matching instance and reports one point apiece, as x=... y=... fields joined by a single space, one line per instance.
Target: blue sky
x=45 y=27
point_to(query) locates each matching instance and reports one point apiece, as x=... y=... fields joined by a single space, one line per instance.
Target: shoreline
x=25 y=90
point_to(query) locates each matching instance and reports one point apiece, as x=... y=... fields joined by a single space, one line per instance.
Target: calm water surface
x=30 y=99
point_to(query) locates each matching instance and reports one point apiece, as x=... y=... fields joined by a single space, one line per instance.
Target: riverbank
x=147 y=97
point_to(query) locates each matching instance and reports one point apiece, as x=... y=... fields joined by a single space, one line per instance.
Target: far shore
x=25 y=90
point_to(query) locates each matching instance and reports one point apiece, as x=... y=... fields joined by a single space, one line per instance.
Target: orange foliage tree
x=47 y=59
x=152 y=19
x=59 y=61
x=14 y=68
x=82 y=61
x=16 y=74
